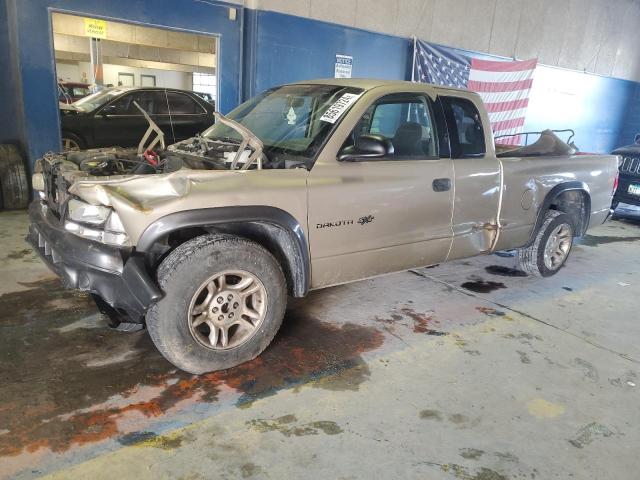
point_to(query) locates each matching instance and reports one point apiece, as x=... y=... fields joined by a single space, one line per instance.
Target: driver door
x=386 y=214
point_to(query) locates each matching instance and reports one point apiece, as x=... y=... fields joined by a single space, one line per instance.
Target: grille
x=630 y=165
x=45 y=248
x=55 y=187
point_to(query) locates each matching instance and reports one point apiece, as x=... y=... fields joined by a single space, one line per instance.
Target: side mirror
x=108 y=110
x=367 y=147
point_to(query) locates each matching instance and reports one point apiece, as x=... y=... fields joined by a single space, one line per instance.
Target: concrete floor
x=464 y=371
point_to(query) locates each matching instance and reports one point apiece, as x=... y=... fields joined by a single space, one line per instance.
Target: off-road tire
x=531 y=258
x=14 y=185
x=179 y=277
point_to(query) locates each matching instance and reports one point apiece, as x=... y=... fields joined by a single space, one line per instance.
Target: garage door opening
x=103 y=66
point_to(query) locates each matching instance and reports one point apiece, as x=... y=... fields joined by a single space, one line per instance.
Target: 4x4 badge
x=365 y=220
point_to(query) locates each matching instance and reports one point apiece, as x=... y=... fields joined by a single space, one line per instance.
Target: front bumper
x=114 y=274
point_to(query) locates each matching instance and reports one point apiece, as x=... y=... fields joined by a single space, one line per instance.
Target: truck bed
x=528 y=180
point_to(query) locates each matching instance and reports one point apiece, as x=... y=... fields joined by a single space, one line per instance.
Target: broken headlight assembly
x=95 y=222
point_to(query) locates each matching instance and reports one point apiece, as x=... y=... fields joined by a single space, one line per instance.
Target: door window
x=146 y=99
x=465 y=127
x=405 y=120
x=181 y=104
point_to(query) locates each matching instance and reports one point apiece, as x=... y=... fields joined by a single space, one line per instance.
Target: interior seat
x=474 y=139
x=407 y=140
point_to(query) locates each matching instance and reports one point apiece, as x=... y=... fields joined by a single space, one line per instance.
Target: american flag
x=504 y=86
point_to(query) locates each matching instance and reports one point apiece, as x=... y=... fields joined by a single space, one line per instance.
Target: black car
x=629 y=181
x=110 y=118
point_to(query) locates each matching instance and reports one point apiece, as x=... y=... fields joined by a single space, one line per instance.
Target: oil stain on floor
x=503 y=271
x=483 y=286
x=67 y=383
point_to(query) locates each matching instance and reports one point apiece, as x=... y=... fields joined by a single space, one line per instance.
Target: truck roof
x=370 y=83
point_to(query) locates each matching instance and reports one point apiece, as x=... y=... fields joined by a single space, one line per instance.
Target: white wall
x=164 y=78
x=70 y=72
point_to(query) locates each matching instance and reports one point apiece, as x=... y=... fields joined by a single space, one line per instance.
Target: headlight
x=37 y=182
x=102 y=236
x=114 y=224
x=86 y=213
x=105 y=224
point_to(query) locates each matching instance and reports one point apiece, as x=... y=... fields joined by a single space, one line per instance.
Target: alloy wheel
x=558 y=245
x=70 y=145
x=227 y=309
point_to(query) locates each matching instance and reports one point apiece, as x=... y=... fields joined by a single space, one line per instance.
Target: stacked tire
x=14 y=184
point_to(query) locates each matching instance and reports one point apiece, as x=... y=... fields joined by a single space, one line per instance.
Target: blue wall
x=279 y=48
x=285 y=49
x=594 y=106
x=36 y=90
x=262 y=49
x=631 y=122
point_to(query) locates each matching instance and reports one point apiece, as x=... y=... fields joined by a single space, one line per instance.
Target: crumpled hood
x=143 y=192
x=140 y=200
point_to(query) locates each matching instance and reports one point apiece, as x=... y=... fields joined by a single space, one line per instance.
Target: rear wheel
x=551 y=247
x=224 y=301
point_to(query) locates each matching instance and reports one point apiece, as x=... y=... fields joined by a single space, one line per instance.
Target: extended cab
x=305 y=186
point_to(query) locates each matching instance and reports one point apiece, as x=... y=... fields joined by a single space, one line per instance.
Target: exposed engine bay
x=153 y=157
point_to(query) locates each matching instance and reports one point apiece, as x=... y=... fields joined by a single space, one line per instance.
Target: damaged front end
x=87 y=245
x=82 y=187
x=76 y=224
x=113 y=273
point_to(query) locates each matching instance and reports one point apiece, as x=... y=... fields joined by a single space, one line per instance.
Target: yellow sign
x=95 y=28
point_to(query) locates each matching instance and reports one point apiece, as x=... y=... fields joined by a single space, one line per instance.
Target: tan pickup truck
x=302 y=187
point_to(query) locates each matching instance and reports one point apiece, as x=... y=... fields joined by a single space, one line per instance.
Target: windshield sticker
x=336 y=110
x=291 y=117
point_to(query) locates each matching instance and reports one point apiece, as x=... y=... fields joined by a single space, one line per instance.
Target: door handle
x=441 y=184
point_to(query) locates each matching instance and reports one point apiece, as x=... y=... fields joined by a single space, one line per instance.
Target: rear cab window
x=466 y=132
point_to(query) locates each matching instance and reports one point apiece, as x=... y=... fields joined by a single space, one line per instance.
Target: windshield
x=95 y=100
x=292 y=120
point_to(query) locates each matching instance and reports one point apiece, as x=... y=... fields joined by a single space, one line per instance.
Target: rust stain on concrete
x=418 y=322
x=53 y=400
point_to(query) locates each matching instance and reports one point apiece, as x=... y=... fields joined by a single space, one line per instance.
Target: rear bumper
x=622 y=195
x=116 y=276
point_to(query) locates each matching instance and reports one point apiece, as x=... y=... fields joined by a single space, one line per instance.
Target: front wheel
x=550 y=249
x=224 y=301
